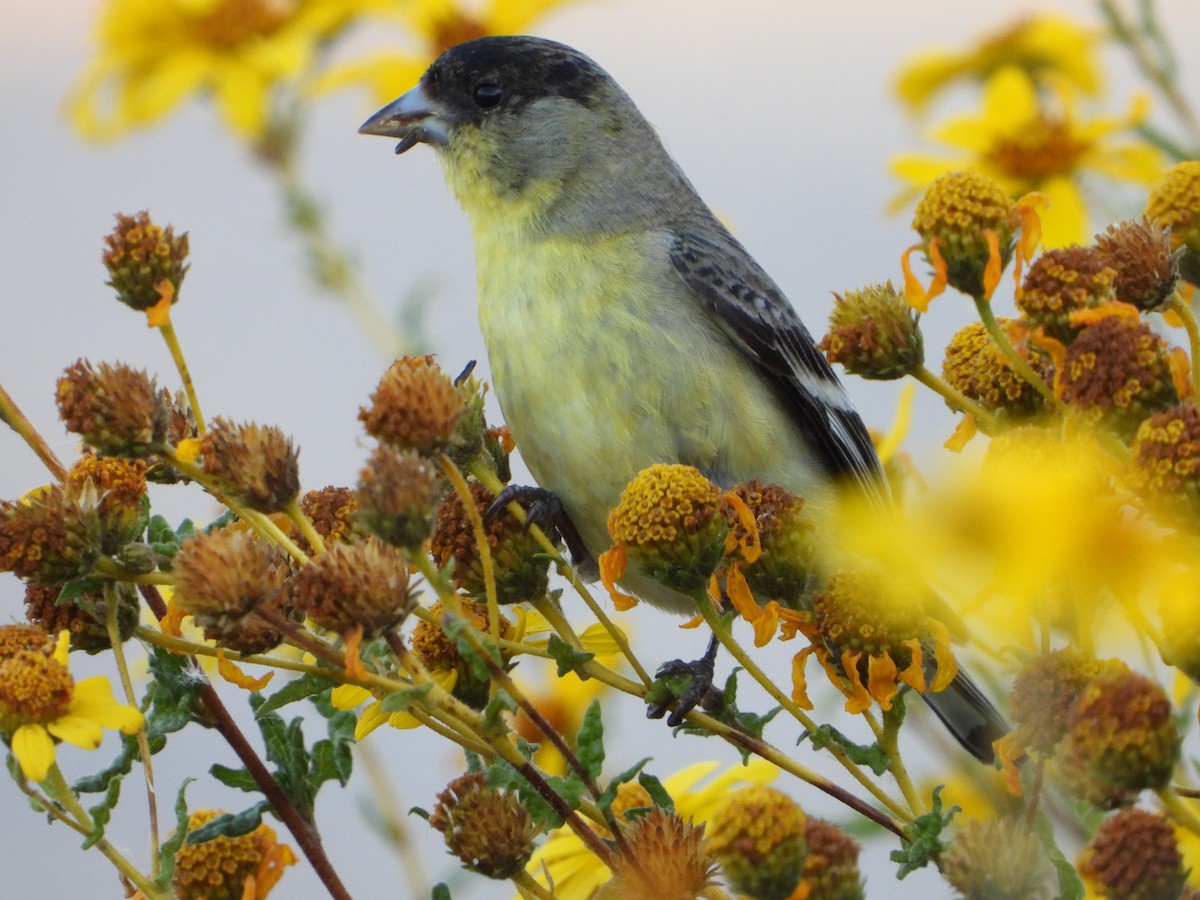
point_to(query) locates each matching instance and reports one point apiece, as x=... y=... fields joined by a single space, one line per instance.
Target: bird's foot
x=544 y=509
x=699 y=689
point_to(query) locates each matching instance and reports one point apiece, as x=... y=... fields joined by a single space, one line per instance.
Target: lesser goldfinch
x=624 y=325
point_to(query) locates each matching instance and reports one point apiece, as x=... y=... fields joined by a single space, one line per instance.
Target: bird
x=625 y=326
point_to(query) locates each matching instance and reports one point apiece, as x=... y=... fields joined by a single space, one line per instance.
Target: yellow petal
x=232 y=673
x=881 y=679
x=34 y=750
x=83 y=733
x=372 y=717
x=348 y=696
x=597 y=639
x=1065 y=222
x=1010 y=101
x=93 y=699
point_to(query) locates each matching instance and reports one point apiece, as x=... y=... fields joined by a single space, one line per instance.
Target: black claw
x=699 y=690
x=544 y=509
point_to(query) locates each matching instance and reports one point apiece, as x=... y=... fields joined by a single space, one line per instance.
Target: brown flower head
x=1043 y=693
x=220 y=869
x=1134 y=856
x=255 y=465
x=16 y=638
x=670 y=522
x=666 y=860
x=121 y=485
x=784 y=570
x=874 y=333
x=84 y=615
x=957 y=213
x=222 y=578
x=117 y=410
x=363 y=584
x=437 y=651
x=333 y=513
x=999 y=859
x=974 y=365
x=875 y=638
x=757 y=837
x=831 y=868
x=1147 y=268
x=1174 y=203
x=1121 y=739
x=1065 y=281
x=397 y=496
x=50 y=536
x=486 y=828
x=520 y=565
x=145 y=262
x=1117 y=373
x=415 y=406
x=1165 y=463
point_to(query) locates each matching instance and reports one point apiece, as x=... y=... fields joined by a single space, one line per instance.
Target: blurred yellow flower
x=576 y=873
x=154 y=54
x=1043 y=45
x=1027 y=143
x=437 y=25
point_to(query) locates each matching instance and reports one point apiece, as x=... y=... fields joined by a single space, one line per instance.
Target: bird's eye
x=488 y=95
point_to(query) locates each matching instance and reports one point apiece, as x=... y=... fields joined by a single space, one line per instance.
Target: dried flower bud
x=145 y=262
x=84 y=616
x=831 y=869
x=520 y=565
x=974 y=365
x=1065 y=281
x=874 y=333
x=414 y=407
x=757 y=837
x=255 y=465
x=665 y=860
x=471 y=433
x=1043 y=693
x=333 y=513
x=224 y=868
x=1117 y=373
x=363 y=584
x=1134 y=856
x=117 y=410
x=999 y=859
x=1165 y=460
x=1147 y=268
x=670 y=521
x=121 y=485
x=48 y=536
x=487 y=829
x=397 y=496
x=785 y=569
x=957 y=212
x=1121 y=739
x=1174 y=203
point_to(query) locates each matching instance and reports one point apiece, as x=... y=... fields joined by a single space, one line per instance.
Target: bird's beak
x=412 y=117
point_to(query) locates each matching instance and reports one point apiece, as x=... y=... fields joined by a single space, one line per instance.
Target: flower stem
x=60 y=791
x=305 y=526
x=960 y=401
x=1183 y=309
x=529 y=888
x=143 y=742
x=1019 y=363
x=185 y=376
x=11 y=415
x=459 y=483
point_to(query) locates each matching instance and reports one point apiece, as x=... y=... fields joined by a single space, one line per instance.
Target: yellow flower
x=1044 y=46
x=40 y=702
x=1031 y=144
x=348 y=696
x=248 y=866
x=576 y=872
x=153 y=54
x=437 y=25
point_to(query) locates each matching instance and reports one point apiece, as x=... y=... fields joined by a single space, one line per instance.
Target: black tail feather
x=969 y=716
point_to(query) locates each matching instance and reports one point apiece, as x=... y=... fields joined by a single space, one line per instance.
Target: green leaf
x=173 y=694
x=605 y=800
x=117 y=769
x=1070 y=886
x=568 y=658
x=170 y=847
x=871 y=755
x=657 y=792
x=589 y=743
x=73 y=590
x=102 y=812
x=402 y=700
x=297 y=689
x=455 y=628
x=239 y=779
x=440 y=892
x=229 y=825
x=493 y=713
x=923 y=835
x=502 y=775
